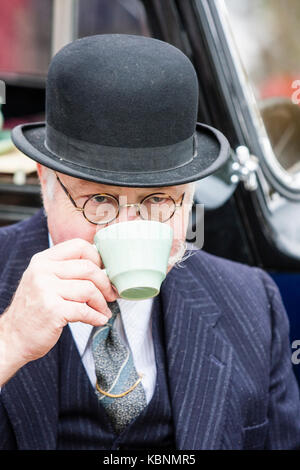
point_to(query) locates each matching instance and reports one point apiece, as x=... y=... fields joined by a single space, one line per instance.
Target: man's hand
x=62 y=284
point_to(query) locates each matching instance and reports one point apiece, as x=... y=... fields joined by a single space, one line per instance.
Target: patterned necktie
x=116 y=375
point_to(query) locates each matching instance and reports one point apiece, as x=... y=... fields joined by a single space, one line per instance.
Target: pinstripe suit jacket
x=227 y=349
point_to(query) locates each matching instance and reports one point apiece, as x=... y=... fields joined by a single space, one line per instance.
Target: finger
x=83 y=292
x=76 y=248
x=86 y=270
x=116 y=292
x=75 y=311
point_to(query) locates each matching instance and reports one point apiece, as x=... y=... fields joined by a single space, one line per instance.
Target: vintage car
x=247 y=58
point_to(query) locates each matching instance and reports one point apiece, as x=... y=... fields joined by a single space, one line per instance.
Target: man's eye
x=157 y=200
x=100 y=199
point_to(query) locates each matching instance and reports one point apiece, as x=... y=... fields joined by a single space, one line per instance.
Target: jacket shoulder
x=221 y=272
x=27 y=224
x=8 y=239
x=238 y=290
x=22 y=237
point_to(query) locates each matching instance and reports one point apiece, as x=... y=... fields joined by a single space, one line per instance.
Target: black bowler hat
x=122 y=110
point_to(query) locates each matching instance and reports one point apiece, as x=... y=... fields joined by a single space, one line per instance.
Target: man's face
x=65 y=222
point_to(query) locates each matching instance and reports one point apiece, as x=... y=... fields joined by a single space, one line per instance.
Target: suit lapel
x=198 y=360
x=30 y=397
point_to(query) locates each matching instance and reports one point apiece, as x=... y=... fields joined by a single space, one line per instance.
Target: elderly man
x=212 y=348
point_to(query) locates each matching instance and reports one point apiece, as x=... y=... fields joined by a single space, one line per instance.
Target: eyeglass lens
x=104 y=208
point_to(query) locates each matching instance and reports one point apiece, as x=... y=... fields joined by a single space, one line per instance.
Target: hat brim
x=213 y=151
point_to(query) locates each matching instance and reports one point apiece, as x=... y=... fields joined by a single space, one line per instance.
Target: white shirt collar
x=136 y=317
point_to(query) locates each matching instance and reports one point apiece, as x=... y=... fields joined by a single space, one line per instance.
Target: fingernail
x=115 y=290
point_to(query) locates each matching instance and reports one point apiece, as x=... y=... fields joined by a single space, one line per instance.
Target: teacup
x=135 y=255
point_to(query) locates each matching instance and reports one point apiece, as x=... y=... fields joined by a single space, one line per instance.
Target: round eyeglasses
x=101 y=209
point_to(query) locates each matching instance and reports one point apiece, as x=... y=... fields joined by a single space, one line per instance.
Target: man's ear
x=43 y=175
x=40 y=171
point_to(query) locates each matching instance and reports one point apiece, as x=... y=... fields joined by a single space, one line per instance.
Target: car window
x=25 y=37
x=106 y=17
x=31 y=31
x=266 y=33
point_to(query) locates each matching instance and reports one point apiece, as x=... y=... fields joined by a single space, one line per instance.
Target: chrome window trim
x=273 y=171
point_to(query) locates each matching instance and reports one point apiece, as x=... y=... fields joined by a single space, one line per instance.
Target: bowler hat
x=122 y=110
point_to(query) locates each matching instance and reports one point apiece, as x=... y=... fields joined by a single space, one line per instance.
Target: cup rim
x=104 y=230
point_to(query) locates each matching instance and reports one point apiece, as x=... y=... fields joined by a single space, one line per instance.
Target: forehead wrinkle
x=90 y=187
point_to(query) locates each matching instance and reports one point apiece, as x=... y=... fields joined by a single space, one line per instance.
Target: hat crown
x=122 y=110
x=123 y=91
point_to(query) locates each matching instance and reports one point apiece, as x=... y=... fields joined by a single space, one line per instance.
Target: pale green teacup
x=135 y=255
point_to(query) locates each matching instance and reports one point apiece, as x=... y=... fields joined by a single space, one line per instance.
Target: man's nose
x=128 y=212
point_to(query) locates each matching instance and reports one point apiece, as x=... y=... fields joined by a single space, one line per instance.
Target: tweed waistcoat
x=83 y=422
